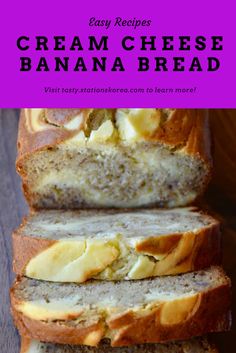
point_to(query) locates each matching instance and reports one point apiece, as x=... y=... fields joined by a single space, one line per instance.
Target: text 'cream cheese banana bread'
x=73 y=158
x=126 y=312
x=74 y=246
x=200 y=345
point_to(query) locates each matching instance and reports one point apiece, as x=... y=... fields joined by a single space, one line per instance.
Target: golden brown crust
x=193 y=251
x=25 y=344
x=198 y=142
x=26 y=248
x=155 y=245
x=56 y=331
x=208 y=243
x=60 y=117
x=187 y=128
x=30 y=141
x=211 y=316
x=189 y=251
x=208 y=313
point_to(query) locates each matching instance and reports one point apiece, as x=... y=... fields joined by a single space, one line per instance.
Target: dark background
x=219 y=198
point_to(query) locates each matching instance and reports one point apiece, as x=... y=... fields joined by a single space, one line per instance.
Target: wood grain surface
x=13 y=207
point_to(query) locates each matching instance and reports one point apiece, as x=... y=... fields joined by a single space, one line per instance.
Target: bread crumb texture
x=117 y=245
x=171 y=301
x=73 y=158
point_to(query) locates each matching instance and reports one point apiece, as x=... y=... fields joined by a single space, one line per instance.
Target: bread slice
x=200 y=345
x=74 y=246
x=147 y=311
x=73 y=158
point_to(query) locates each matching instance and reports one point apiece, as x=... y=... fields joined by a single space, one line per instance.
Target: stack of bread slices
x=112 y=256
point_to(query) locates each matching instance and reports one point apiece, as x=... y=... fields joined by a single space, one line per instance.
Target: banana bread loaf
x=74 y=246
x=73 y=158
x=126 y=312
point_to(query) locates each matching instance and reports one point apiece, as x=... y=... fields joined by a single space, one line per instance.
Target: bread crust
x=209 y=312
x=57 y=332
x=186 y=130
x=26 y=248
x=182 y=252
x=25 y=344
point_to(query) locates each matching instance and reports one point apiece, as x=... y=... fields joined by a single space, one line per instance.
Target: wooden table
x=13 y=207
